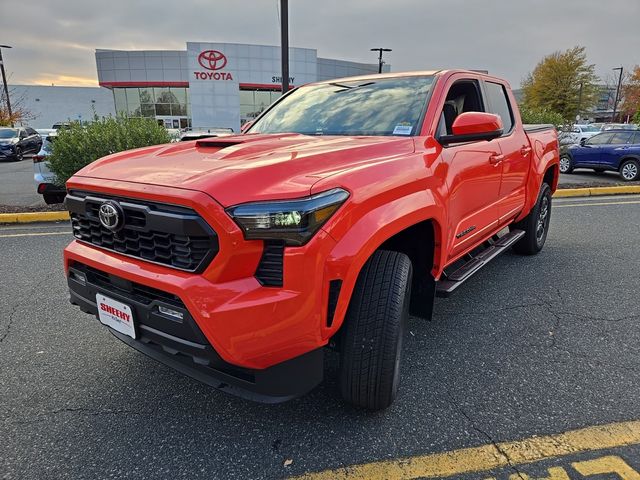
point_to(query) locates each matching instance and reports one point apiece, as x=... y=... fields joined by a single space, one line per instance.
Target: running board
x=449 y=283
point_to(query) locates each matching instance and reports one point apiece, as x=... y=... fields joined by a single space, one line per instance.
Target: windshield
x=386 y=106
x=8 y=132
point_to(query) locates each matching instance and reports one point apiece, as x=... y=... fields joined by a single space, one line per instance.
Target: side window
x=621 y=138
x=600 y=139
x=463 y=96
x=499 y=104
x=31 y=131
x=636 y=138
x=23 y=134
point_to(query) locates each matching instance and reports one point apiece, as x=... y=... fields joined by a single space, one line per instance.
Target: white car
x=42 y=176
x=577 y=134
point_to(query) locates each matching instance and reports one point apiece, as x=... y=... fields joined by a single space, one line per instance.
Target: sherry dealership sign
x=212 y=60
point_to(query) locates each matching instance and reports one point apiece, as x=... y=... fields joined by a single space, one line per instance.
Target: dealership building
x=210 y=85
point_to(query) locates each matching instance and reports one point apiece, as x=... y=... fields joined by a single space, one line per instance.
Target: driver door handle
x=496 y=158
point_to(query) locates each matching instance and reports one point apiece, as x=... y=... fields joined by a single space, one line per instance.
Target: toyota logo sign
x=111 y=216
x=212 y=60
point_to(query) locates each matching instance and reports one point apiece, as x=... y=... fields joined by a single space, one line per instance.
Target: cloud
x=505 y=37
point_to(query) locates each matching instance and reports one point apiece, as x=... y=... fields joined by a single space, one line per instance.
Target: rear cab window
x=499 y=104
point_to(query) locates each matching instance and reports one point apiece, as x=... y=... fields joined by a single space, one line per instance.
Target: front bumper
x=180 y=344
x=7 y=154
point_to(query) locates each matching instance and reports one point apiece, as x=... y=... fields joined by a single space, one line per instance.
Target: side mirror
x=583 y=141
x=472 y=127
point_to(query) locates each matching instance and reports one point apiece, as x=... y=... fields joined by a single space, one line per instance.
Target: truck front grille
x=169 y=235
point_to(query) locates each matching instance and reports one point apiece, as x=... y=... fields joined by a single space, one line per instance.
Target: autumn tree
x=631 y=94
x=19 y=113
x=562 y=82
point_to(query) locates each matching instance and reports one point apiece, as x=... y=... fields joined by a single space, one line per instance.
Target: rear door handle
x=524 y=151
x=496 y=158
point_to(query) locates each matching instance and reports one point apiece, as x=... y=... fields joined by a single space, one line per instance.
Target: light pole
x=615 y=102
x=284 y=43
x=4 y=82
x=380 y=61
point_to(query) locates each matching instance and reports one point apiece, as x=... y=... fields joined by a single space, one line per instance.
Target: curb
x=592 y=192
x=31 y=217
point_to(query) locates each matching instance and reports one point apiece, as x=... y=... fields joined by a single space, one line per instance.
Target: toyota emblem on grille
x=111 y=216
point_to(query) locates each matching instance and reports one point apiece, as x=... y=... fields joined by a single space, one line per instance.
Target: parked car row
x=611 y=150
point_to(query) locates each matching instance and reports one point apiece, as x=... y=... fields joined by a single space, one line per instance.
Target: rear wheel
x=565 y=164
x=371 y=346
x=535 y=225
x=630 y=170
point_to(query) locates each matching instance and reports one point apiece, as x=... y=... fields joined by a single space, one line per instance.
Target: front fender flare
x=363 y=238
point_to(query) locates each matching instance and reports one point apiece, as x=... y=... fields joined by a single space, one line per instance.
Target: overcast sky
x=54 y=41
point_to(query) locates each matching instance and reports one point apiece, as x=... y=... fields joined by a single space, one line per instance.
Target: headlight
x=294 y=221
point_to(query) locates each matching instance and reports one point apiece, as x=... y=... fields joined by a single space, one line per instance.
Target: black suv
x=16 y=142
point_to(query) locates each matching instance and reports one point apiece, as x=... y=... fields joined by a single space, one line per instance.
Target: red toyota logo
x=212 y=60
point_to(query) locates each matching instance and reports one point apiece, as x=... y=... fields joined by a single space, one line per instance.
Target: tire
x=598 y=170
x=565 y=164
x=371 y=346
x=19 y=154
x=535 y=225
x=630 y=170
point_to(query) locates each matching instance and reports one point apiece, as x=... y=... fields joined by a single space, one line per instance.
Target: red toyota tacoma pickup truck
x=346 y=206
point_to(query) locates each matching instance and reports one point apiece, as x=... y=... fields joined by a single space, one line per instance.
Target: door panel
x=515 y=170
x=474 y=185
x=618 y=146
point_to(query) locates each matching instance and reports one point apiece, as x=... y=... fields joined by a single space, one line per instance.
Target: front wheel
x=19 y=154
x=565 y=164
x=371 y=346
x=535 y=225
x=630 y=170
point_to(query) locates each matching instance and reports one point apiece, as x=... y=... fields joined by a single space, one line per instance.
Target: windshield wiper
x=350 y=87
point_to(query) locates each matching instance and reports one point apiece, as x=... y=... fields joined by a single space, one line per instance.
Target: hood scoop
x=217 y=143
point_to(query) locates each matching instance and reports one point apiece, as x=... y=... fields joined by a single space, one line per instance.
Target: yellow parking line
x=489 y=457
x=590 y=204
x=39 y=234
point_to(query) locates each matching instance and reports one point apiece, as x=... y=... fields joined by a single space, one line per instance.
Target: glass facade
x=254 y=102
x=171 y=106
x=152 y=101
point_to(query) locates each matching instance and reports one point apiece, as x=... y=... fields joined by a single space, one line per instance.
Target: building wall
x=51 y=104
x=218 y=96
x=329 y=68
x=144 y=66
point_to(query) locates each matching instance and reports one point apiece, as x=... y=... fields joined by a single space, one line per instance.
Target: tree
x=562 y=82
x=631 y=94
x=19 y=113
x=540 y=115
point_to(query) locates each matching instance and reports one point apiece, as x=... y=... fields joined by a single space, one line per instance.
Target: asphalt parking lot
x=531 y=347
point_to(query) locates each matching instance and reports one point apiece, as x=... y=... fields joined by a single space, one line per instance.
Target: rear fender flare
x=543 y=159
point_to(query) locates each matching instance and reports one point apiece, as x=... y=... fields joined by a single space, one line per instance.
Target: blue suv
x=617 y=150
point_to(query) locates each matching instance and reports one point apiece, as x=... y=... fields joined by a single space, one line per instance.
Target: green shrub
x=79 y=145
x=541 y=115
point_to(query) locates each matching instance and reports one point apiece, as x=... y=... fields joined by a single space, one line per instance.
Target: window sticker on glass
x=403 y=129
